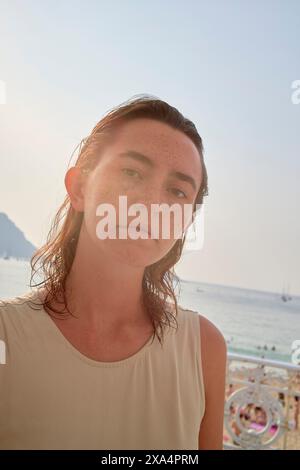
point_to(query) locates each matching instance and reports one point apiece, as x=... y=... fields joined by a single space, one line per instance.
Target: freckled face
x=150 y=163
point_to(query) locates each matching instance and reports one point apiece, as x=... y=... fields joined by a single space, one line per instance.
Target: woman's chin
x=138 y=253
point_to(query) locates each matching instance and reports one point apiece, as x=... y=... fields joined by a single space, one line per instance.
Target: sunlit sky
x=227 y=65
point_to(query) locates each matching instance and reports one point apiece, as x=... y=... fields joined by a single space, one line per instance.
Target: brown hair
x=57 y=254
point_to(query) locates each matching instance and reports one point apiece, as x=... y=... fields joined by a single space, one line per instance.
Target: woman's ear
x=74 y=183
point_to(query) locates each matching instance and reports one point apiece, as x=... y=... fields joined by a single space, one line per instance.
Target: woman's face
x=148 y=163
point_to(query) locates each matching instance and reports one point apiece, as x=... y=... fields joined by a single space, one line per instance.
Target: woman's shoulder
x=14 y=303
x=211 y=334
x=212 y=339
x=16 y=310
x=187 y=316
x=207 y=328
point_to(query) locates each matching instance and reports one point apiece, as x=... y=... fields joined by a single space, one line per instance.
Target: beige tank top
x=54 y=397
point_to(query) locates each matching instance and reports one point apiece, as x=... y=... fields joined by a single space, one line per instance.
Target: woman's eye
x=131 y=173
x=180 y=194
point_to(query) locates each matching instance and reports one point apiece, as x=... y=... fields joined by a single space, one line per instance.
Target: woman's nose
x=152 y=195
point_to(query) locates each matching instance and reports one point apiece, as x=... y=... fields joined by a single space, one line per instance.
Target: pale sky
x=227 y=65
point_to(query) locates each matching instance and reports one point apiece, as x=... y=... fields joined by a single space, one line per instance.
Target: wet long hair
x=53 y=261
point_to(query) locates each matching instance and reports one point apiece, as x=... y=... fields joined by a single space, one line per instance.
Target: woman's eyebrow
x=138 y=156
x=184 y=177
x=147 y=161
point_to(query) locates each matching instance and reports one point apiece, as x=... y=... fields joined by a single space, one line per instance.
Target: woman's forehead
x=161 y=143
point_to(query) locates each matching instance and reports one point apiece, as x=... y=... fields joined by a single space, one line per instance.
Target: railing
x=262 y=408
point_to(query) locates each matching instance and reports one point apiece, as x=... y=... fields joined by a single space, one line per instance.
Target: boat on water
x=285 y=296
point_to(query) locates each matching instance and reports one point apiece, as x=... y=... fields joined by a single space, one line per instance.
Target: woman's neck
x=103 y=291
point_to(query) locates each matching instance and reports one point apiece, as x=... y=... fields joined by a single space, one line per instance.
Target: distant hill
x=12 y=241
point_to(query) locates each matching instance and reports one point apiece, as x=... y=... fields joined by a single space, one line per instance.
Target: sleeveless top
x=54 y=397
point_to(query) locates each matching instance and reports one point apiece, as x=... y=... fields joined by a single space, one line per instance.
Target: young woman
x=100 y=355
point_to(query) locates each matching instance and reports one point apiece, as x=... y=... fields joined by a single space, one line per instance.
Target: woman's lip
x=138 y=231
